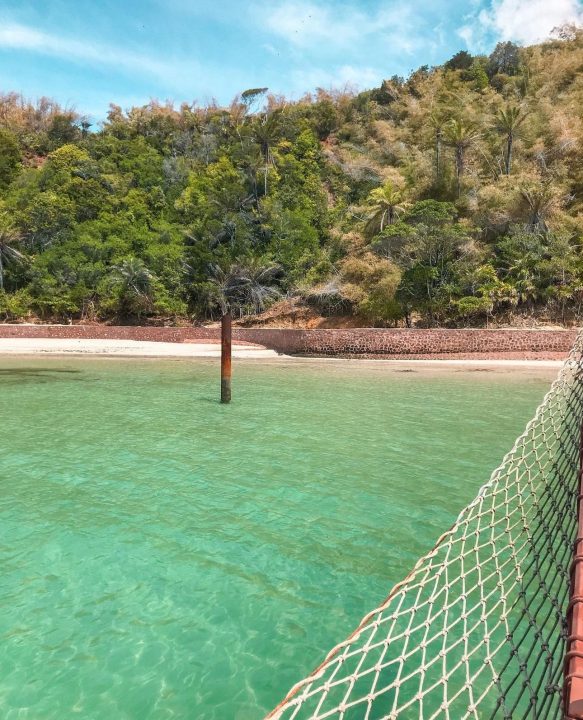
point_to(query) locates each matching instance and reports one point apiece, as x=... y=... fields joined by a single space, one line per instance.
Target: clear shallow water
x=164 y=556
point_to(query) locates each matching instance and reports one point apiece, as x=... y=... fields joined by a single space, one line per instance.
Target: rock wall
x=361 y=342
x=369 y=342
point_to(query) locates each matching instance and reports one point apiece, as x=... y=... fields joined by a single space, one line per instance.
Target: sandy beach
x=127 y=348
x=241 y=351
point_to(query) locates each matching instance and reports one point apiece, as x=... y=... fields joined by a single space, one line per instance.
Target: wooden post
x=226 y=334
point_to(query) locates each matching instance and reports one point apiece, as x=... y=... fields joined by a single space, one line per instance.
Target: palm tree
x=9 y=238
x=540 y=201
x=460 y=135
x=386 y=202
x=250 y=97
x=246 y=289
x=251 y=165
x=508 y=122
x=266 y=133
x=437 y=122
x=136 y=285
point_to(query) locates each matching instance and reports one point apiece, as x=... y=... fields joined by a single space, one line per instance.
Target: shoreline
x=357 y=343
x=110 y=348
x=86 y=347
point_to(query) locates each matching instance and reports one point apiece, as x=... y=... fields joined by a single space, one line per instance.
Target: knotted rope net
x=477 y=629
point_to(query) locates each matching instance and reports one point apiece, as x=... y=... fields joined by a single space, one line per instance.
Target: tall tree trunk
x=459 y=168
x=509 y=144
x=1 y=272
x=438 y=134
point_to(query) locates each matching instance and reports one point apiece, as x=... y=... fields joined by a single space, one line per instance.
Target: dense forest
x=451 y=197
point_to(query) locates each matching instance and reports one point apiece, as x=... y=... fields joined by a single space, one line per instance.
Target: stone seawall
x=360 y=342
x=376 y=342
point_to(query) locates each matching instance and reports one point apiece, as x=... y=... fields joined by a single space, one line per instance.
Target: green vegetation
x=452 y=197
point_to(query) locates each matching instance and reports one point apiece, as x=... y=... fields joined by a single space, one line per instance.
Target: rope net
x=477 y=629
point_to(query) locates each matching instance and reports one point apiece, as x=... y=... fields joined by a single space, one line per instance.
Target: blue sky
x=88 y=53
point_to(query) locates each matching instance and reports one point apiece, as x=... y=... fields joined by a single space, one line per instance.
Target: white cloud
x=468 y=35
x=23 y=37
x=524 y=21
x=270 y=49
x=308 y=25
x=345 y=75
x=529 y=21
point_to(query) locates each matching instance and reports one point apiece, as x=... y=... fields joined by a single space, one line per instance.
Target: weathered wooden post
x=226 y=334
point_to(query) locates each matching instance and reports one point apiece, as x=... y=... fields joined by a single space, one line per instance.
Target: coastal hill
x=453 y=197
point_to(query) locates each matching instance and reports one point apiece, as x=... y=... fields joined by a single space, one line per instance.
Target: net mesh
x=477 y=629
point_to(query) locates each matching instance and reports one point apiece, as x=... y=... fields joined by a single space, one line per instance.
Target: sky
x=89 y=53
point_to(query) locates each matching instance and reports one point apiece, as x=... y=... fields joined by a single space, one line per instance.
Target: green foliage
x=473 y=306
x=386 y=204
x=63 y=129
x=453 y=196
x=477 y=75
x=14 y=306
x=48 y=219
x=10 y=157
x=436 y=255
x=505 y=59
x=370 y=285
x=432 y=212
x=462 y=60
x=10 y=253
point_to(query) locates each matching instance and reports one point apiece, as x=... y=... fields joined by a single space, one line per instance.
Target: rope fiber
x=478 y=628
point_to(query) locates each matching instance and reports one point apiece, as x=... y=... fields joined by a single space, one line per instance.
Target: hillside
x=453 y=197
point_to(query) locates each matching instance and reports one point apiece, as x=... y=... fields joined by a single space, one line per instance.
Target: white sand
x=125 y=348
x=143 y=348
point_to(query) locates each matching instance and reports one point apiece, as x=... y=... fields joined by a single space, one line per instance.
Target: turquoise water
x=164 y=556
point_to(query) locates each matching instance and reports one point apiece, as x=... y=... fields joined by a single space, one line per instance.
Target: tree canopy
x=451 y=197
